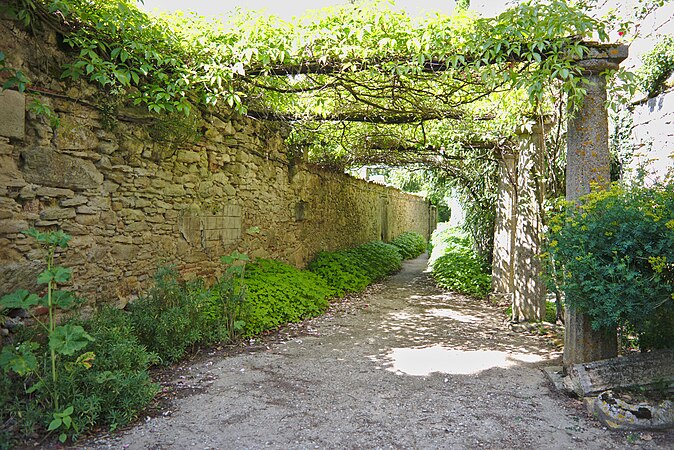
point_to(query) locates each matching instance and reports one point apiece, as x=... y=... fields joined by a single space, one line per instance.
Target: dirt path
x=411 y=367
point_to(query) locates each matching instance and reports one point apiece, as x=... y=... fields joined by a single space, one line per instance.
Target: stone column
x=504 y=230
x=588 y=163
x=528 y=283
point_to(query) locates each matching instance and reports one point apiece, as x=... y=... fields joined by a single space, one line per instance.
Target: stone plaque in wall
x=12 y=114
x=211 y=229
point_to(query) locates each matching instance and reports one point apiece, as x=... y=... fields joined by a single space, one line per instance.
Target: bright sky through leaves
x=287 y=10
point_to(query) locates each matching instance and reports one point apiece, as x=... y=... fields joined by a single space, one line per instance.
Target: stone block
x=122 y=251
x=12 y=114
x=13 y=226
x=109 y=187
x=51 y=214
x=637 y=369
x=75 y=201
x=74 y=135
x=174 y=190
x=132 y=215
x=142 y=203
x=135 y=227
x=188 y=157
x=109 y=217
x=50 y=192
x=46 y=167
x=88 y=219
x=28 y=192
x=14 y=276
x=107 y=147
x=87 y=210
x=620 y=414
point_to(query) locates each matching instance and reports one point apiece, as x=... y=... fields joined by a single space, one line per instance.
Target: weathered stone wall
x=653 y=136
x=134 y=195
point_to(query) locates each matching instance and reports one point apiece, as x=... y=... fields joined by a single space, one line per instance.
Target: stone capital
x=602 y=57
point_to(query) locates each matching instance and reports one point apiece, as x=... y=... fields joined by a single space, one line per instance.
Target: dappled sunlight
x=427 y=360
x=450 y=333
x=454 y=315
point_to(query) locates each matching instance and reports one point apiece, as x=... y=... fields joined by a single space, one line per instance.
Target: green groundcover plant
x=410 y=244
x=354 y=269
x=278 y=293
x=616 y=248
x=457 y=267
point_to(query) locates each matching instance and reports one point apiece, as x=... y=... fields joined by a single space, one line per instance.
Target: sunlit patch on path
x=424 y=361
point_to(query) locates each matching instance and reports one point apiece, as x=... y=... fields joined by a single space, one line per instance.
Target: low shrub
x=455 y=265
x=117 y=384
x=410 y=244
x=378 y=259
x=616 y=249
x=278 y=293
x=175 y=316
x=67 y=376
x=341 y=272
x=167 y=319
x=354 y=269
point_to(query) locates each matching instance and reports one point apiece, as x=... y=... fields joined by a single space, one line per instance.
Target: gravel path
x=406 y=365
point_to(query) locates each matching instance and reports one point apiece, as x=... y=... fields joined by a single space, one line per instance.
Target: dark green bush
x=410 y=244
x=117 y=385
x=354 y=269
x=175 y=317
x=277 y=293
x=458 y=268
x=617 y=252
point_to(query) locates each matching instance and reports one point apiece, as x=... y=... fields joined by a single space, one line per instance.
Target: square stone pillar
x=588 y=163
x=504 y=230
x=528 y=284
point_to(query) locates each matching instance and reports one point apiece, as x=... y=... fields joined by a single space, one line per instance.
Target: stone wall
x=653 y=135
x=135 y=190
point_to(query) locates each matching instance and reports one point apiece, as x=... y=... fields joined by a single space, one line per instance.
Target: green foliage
x=658 y=66
x=378 y=259
x=14 y=78
x=410 y=244
x=47 y=366
x=354 y=269
x=111 y=388
x=550 y=312
x=617 y=252
x=278 y=293
x=174 y=317
x=63 y=340
x=105 y=386
x=341 y=271
x=457 y=267
x=42 y=110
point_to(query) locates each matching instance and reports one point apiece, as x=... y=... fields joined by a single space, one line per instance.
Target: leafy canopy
x=357 y=63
